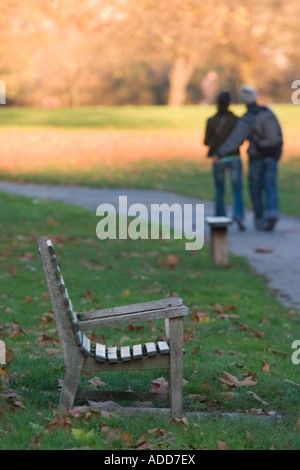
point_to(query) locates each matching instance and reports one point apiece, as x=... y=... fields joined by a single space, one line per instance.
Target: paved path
x=280 y=263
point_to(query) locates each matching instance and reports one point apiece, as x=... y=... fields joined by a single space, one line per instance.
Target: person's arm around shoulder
x=239 y=134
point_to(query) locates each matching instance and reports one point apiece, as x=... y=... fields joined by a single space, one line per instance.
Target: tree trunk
x=181 y=72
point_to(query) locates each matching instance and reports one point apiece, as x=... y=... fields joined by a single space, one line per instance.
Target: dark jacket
x=260 y=127
x=218 y=128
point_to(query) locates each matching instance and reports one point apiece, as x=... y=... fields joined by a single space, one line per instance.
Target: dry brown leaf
x=60 y=422
x=259 y=334
x=52 y=352
x=232 y=381
x=159 y=385
x=126 y=436
x=263 y=250
x=256 y=397
x=291 y=382
x=222 y=445
x=183 y=421
x=266 y=368
x=171 y=261
x=96 y=382
x=35 y=443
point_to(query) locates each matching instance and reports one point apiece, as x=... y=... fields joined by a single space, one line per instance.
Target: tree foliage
x=71 y=53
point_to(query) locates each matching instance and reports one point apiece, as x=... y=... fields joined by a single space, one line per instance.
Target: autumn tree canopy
x=63 y=52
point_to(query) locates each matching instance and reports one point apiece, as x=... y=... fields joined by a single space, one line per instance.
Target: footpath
x=275 y=255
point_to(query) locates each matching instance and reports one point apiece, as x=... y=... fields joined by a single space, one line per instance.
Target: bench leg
x=176 y=365
x=70 y=385
x=219 y=245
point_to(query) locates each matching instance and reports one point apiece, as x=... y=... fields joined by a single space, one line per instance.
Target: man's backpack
x=266 y=133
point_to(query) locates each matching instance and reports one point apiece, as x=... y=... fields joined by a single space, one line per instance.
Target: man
x=261 y=128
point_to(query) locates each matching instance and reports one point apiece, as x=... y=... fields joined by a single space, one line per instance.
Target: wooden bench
x=219 y=238
x=83 y=355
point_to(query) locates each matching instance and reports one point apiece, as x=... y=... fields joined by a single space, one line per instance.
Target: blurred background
x=66 y=53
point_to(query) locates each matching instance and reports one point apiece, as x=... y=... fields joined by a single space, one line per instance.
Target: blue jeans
x=263 y=179
x=235 y=169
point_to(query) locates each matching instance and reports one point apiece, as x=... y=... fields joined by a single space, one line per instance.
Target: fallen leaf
x=291 y=382
x=266 y=368
x=52 y=352
x=256 y=397
x=171 y=261
x=96 y=382
x=222 y=445
x=35 y=443
x=159 y=385
x=263 y=250
x=258 y=334
x=182 y=420
x=232 y=381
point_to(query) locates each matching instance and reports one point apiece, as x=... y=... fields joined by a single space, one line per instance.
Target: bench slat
x=125 y=353
x=62 y=285
x=150 y=349
x=112 y=354
x=57 y=272
x=137 y=352
x=86 y=345
x=54 y=261
x=134 y=308
x=100 y=352
x=79 y=337
x=163 y=347
x=50 y=247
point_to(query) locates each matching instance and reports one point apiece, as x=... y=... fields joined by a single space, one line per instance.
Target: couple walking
x=224 y=135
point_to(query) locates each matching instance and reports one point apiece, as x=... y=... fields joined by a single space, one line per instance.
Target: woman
x=218 y=128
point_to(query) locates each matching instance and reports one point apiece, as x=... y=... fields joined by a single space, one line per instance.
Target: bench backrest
x=65 y=316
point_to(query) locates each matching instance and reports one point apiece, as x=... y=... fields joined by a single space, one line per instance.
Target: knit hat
x=247 y=94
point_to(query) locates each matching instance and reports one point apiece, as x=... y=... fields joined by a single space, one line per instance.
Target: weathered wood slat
x=134 y=308
x=150 y=349
x=160 y=361
x=134 y=317
x=125 y=353
x=50 y=247
x=137 y=352
x=100 y=352
x=78 y=337
x=57 y=272
x=61 y=284
x=54 y=261
x=112 y=354
x=122 y=396
x=85 y=345
x=163 y=347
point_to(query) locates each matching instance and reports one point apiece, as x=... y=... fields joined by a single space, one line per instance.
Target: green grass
x=127 y=117
x=179 y=175
x=255 y=330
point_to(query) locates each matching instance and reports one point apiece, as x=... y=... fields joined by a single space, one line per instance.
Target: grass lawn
x=136 y=147
x=235 y=327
